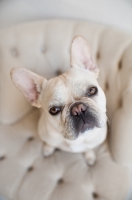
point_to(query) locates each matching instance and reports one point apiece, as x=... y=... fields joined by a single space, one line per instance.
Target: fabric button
x=120 y=65
x=120 y=104
x=106 y=86
x=43 y=49
x=58 y=72
x=14 y=52
x=30 y=139
x=60 y=181
x=30 y=169
x=2 y=158
x=98 y=55
x=95 y=195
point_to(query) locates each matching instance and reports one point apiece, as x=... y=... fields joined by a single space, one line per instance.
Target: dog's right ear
x=29 y=83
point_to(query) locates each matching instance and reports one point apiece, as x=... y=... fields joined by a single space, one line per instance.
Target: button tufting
x=58 y=72
x=57 y=149
x=98 y=55
x=2 y=158
x=106 y=86
x=120 y=103
x=30 y=139
x=30 y=169
x=14 y=52
x=60 y=181
x=120 y=65
x=43 y=49
x=95 y=195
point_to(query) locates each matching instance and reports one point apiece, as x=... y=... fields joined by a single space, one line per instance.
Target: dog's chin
x=84 y=129
x=71 y=137
x=76 y=135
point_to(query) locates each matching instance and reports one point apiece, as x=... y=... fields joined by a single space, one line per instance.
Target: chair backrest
x=44 y=47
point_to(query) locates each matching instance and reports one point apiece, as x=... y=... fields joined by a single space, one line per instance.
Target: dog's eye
x=54 y=110
x=92 y=91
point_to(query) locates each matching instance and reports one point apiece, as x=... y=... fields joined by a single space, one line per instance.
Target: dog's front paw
x=48 y=150
x=90 y=157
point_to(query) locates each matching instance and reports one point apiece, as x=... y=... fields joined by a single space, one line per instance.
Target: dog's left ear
x=81 y=55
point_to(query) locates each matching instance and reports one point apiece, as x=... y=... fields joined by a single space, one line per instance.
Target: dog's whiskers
x=109 y=117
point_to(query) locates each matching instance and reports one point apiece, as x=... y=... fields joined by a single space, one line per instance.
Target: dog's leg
x=48 y=150
x=90 y=157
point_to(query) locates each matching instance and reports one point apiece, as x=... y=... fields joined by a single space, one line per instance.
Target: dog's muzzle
x=83 y=118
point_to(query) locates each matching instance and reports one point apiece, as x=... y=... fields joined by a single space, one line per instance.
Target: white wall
x=113 y=12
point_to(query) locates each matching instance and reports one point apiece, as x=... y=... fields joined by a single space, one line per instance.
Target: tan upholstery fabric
x=44 y=48
x=25 y=174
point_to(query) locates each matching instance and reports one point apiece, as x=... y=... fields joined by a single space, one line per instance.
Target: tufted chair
x=44 y=47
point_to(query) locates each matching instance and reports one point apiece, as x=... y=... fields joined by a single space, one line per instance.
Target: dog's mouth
x=83 y=117
x=81 y=128
x=85 y=122
x=70 y=137
x=82 y=124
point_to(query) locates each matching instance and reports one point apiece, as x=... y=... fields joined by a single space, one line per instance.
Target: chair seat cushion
x=26 y=174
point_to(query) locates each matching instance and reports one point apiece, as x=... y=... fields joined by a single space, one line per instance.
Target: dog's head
x=73 y=102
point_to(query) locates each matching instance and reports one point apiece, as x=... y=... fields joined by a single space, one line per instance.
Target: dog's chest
x=75 y=146
x=88 y=140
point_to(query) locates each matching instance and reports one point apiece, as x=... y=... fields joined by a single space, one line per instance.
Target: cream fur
x=66 y=90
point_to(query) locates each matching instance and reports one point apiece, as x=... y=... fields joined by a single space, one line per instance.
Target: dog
x=73 y=104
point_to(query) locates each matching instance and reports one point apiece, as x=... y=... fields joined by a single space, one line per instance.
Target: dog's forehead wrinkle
x=66 y=88
x=57 y=92
x=80 y=77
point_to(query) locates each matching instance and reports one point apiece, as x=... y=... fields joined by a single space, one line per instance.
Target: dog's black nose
x=78 y=109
